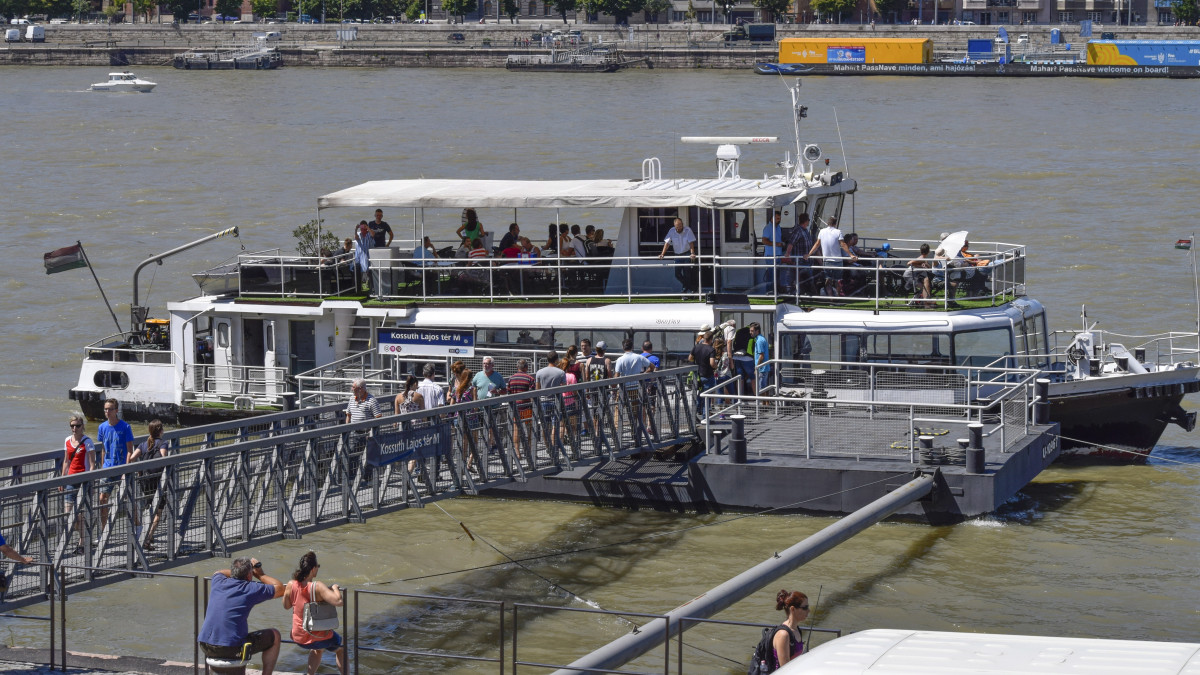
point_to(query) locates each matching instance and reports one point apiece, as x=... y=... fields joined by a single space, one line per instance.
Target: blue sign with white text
x=412 y=444
x=846 y=55
x=425 y=342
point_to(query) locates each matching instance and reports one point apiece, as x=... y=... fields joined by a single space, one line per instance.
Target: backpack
x=763 y=659
x=742 y=337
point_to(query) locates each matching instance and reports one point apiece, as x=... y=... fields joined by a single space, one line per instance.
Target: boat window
x=907 y=348
x=827 y=207
x=269 y=337
x=1035 y=339
x=110 y=379
x=652 y=228
x=982 y=347
x=223 y=334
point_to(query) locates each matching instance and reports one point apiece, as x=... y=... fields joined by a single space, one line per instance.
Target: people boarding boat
x=279 y=330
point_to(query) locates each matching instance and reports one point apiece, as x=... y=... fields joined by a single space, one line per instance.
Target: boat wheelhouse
x=273 y=330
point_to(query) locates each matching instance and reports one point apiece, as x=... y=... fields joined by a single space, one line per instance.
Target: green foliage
x=81 y=8
x=143 y=8
x=179 y=8
x=888 y=8
x=691 y=12
x=564 y=6
x=264 y=9
x=833 y=7
x=1186 y=11
x=657 y=8
x=620 y=10
x=14 y=8
x=414 y=9
x=113 y=9
x=773 y=8
x=511 y=9
x=51 y=8
x=458 y=8
x=306 y=239
x=229 y=7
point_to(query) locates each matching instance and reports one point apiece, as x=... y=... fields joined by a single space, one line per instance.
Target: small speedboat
x=782 y=68
x=126 y=81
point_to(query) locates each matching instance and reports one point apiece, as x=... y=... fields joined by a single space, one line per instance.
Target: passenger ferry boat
x=271 y=331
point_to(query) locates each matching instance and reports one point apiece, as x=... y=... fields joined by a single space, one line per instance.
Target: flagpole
x=1196 y=282
x=102 y=295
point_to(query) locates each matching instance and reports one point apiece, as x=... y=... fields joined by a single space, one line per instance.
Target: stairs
x=361 y=337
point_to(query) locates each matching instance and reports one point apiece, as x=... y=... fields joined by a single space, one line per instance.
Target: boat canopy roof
x=726 y=193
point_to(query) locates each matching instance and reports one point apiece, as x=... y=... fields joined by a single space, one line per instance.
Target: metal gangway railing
x=857 y=410
x=235 y=484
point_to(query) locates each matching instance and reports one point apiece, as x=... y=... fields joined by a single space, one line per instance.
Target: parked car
x=223 y=18
x=12 y=35
x=456 y=37
x=304 y=18
x=1023 y=39
x=59 y=21
x=19 y=22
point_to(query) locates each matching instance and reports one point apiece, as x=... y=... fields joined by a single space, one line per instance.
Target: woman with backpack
x=301 y=590
x=786 y=641
x=79 y=451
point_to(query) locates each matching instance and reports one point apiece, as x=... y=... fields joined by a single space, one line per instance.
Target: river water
x=1095 y=176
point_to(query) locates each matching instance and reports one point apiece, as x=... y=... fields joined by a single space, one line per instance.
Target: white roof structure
x=733 y=193
x=896 y=652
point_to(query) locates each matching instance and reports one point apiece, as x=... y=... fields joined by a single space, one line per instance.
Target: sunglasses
x=76 y=426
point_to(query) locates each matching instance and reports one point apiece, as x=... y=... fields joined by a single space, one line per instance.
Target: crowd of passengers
x=812 y=263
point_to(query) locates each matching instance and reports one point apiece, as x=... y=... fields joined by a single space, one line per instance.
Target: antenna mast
x=799 y=113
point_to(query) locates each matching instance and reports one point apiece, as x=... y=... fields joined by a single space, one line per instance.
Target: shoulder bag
x=319 y=616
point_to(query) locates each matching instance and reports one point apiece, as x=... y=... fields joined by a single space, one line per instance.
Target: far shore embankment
x=487 y=45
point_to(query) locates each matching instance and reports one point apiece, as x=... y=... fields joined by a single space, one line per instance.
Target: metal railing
x=355 y=640
x=259 y=386
x=853 y=410
x=876 y=282
x=128 y=347
x=236 y=484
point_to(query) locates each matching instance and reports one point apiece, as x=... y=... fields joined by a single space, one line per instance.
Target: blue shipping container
x=979 y=50
x=1143 y=52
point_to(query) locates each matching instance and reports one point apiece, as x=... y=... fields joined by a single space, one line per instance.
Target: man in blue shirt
x=761 y=354
x=647 y=351
x=116 y=437
x=772 y=241
x=226 y=630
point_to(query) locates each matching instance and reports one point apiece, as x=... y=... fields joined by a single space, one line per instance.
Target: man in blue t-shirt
x=761 y=354
x=226 y=630
x=116 y=438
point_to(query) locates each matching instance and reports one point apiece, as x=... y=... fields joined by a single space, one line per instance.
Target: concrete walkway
x=20 y=661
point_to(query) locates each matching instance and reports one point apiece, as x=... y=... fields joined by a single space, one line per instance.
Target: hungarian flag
x=64 y=259
x=1185 y=244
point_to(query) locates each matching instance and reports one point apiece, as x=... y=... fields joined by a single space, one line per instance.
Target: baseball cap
x=601 y=345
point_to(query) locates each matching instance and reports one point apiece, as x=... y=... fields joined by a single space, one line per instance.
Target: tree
x=180 y=8
x=143 y=7
x=620 y=9
x=773 y=8
x=511 y=9
x=887 y=9
x=1186 y=11
x=458 y=8
x=263 y=8
x=81 y=8
x=112 y=10
x=51 y=7
x=306 y=239
x=229 y=8
x=414 y=9
x=690 y=15
x=564 y=6
x=656 y=7
x=834 y=7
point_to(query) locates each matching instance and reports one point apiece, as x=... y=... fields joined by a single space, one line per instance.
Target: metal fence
x=865 y=410
x=236 y=484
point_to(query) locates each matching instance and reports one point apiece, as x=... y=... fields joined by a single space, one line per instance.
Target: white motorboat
x=125 y=81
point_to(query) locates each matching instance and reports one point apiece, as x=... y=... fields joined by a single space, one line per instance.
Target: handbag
x=319 y=616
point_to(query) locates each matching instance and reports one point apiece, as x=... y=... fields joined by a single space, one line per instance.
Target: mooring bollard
x=975 y=430
x=1041 y=409
x=716 y=436
x=737 y=441
x=974 y=456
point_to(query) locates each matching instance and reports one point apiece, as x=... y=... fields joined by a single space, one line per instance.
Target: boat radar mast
x=728 y=152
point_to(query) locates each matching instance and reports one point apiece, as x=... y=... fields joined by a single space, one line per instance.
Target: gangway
x=234 y=485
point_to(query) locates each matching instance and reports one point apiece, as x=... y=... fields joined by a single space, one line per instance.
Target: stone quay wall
x=487 y=45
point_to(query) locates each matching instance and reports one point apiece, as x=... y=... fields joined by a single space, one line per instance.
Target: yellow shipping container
x=855 y=50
